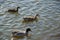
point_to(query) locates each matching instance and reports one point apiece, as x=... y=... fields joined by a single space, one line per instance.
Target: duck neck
x=27 y=33
x=17 y=9
x=35 y=17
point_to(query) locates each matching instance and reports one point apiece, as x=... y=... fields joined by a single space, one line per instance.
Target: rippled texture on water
x=48 y=24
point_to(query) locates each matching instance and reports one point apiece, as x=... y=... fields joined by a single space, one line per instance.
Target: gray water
x=47 y=26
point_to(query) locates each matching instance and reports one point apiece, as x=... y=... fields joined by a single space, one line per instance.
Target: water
x=48 y=24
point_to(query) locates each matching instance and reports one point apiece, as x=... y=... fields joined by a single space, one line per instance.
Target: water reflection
x=49 y=22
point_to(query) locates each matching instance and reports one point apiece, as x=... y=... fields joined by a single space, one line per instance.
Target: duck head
x=36 y=16
x=27 y=30
x=18 y=7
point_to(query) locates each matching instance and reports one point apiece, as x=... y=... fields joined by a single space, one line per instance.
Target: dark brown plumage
x=30 y=18
x=13 y=10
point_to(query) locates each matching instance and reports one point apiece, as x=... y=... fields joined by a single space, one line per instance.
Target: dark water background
x=45 y=29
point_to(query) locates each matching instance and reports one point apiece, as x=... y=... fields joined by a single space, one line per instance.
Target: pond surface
x=47 y=26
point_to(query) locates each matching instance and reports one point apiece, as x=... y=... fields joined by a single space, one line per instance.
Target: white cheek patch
x=30 y=33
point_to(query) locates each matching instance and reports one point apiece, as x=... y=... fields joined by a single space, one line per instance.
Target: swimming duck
x=30 y=18
x=20 y=34
x=13 y=10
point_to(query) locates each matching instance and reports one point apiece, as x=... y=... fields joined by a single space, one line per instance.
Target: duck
x=13 y=10
x=20 y=34
x=30 y=18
